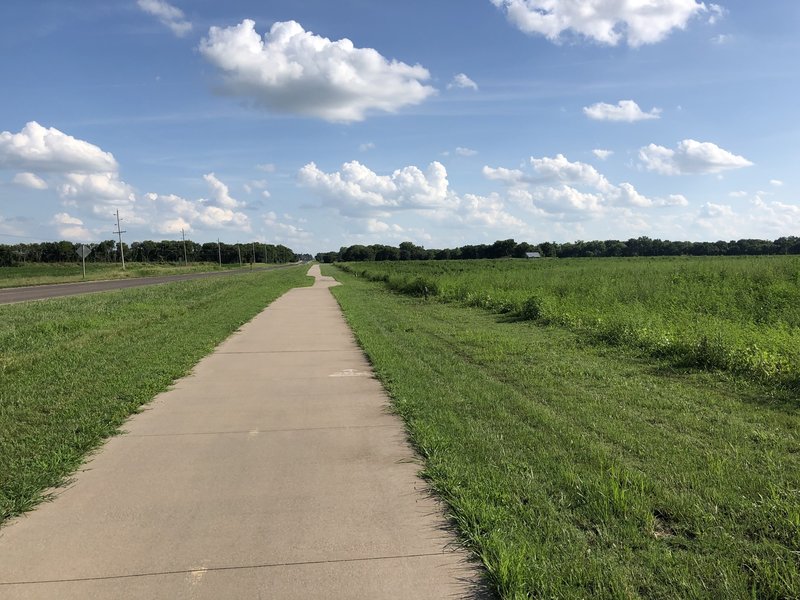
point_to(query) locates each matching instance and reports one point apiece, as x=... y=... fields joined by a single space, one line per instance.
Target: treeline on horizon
x=166 y=251
x=641 y=246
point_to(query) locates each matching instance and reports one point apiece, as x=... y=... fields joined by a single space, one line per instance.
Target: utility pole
x=239 y=248
x=254 y=252
x=119 y=232
x=266 y=256
x=185 y=260
x=219 y=252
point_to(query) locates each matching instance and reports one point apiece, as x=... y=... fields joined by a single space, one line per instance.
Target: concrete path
x=273 y=471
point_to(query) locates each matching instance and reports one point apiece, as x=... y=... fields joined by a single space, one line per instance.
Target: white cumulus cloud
x=220 y=192
x=106 y=188
x=711 y=210
x=624 y=110
x=556 y=186
x=462 y=81
x=170 y=213
x=70 y=227
x=39 y=149
x=676 y=200
x=358 y=192
x=756 y=219
x=564 y=201
x=357 y=187
x=378 y=226
x=775 y=216
x=30 y=180
x=509 y=176
x=487 y=211
x=283 y=231
x=690 y=157
x=168 y=15
x=562 y=170
x=609 y=22
x=291 y=70
x=83 y=174
x=257 y=185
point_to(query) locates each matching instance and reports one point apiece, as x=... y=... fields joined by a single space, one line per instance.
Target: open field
x=739 y=314
x=72 y=369
x=47 y=273
x=578 y=469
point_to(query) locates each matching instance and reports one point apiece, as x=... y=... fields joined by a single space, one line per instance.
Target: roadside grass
x=73 y=369
x=578 y=470
x=47 y=273
x=740 y=314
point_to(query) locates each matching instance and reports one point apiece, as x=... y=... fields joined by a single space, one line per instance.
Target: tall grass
x=738 y=314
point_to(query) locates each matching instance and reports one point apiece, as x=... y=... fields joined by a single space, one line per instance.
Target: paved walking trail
x=272 y=471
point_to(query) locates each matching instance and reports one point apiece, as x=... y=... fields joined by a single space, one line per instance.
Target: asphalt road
x=43 y=292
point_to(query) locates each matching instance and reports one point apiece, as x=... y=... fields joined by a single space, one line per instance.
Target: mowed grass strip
x=576 y=470
x=49 y=273
x=73 y=369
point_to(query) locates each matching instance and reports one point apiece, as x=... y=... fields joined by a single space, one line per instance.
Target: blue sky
x=443 y=123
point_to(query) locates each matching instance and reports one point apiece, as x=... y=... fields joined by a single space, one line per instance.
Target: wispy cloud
x=462 y=81
x=168 y=15
x=601 y=153
x=466 y=151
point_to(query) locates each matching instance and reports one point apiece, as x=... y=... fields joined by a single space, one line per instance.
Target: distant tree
x=327 y=257
x=443 y=254
x=502 y=248
x=358 y=252
x=386 y=252
x=409 y=251
x=549 y=249
x=7 y=257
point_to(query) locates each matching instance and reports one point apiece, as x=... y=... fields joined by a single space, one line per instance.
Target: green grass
x=73 y=369
x=42 y=274
x=583 y=470
x=740 y=314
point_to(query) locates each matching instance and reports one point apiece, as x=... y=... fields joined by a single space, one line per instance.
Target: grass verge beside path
x=587 y=471
x=73 y=369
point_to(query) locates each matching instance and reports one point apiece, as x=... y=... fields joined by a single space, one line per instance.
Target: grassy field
x=41 y=274
x=72 y=369
x=740 y=314
x=578 y=469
